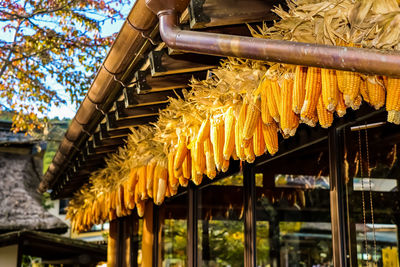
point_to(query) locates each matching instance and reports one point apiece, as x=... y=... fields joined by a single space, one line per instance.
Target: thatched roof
x=20 y=204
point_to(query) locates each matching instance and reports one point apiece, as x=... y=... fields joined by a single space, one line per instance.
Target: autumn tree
x=51 y=46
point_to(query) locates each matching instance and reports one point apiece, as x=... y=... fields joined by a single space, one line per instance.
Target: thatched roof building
x=21 y=159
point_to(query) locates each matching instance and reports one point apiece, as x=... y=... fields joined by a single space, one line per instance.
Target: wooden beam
x=113 y=123
x=132 y=99
x=141 y=111
x=112 y=133
x=211 y=13
x=98 y=142
x=163 y=64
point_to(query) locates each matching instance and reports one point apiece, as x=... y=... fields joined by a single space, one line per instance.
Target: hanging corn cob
x=313 y=91
x=289 y=120
x=299 y=88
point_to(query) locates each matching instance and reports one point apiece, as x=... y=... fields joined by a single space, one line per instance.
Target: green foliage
x=48 y=46
x=46 y=201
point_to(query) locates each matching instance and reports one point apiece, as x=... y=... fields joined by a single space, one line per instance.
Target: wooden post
x=126 y=240
x=112 y=244
x=147 y=238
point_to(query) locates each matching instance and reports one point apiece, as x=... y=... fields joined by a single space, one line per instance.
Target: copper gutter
x=325 y=56
x=116 y=68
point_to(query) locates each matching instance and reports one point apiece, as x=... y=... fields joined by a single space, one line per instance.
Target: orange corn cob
x=142 y=182
x=180 y=152
x=330 y=89
x=183 y=181
x=217 y=140
x=270 y=133
x=197 y=177
x=325 y=116
x=341 y=106
x=258 y=139
x=156 y=177
x=313 y=91
x=172 y=179
x=149 y=177
x=299 y=88
x=249 y=152
x=376 y=91
x=187 y=165
x=393 y=100
x=204 y=130
x=162 y=184
x=239 y=147
x=276 y=93
x=252 y=115
x=271 y=102
x=364 y=90
x=350 y=86
x=199 y=157
x=225 y=165
x=356 y=103
x=129 y=196
x=210 y=163
x=289 y=120
x=140 y=208
x=265 y=115
x=229 y=142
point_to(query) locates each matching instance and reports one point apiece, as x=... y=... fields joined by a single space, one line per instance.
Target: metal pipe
x=362 y=60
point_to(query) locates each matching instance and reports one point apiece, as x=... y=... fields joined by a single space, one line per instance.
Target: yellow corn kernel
x=276 y=92
x=299 y=88
x=229 y=142
x=249 y=152
x=129 y=196
x=197 y=177
x=393 y=100
x=325 y=117
x=172 y=179
x=140 y=208
x=340 y=80
x=289 y=120
x=265 y=115
x=149 y=177
x=210 y=163
x=330 y=89
x=356 y=103
x=187 y=166
x=181 y=152
x=156 y=176
x=351 y=88
x=142 y=182
x=239 y=130
x=162 y=184
x=217 y=140
x=258 y=139
x=313 y=91
x=225 y=165
x=385 y=81
x=204 y=130
x=270 y=133
x=341 y=106
x=252 y=115
x=376 y=91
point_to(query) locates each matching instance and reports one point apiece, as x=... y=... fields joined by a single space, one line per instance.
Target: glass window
x=221 y=223
x=293 y=209
x=173 y=222
x=372 y=175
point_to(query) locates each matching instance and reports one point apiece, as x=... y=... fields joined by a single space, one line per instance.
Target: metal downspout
x=362 y=60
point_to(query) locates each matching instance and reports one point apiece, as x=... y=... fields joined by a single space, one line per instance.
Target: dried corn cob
x=350 y=86
x=239 y=130
x=210 y=163
x=204 y=130
x=313 y=91
x=229 y=142
x=187 y=166
x=183 y=181
x=271 y=102
x=393 y=100
x=357 y=103
x=197 y=177
x=181 y=152
x=299 y=88
x=149 y=177
x=225 y=165
x=270 y=133
x=217 y=140
x=140 y=207
x=172 y=179
x=258 y=139
x=325 y=116
x=142 y=182
x=265 y=115
x=330 y=89
x=376 y=91
x=252 y=115
x=276 y=93
x=289 y=120
x=156 y=177
x=341 y=106
x=129 y=195
x=199 y=157
x=162 y=184
x=364 y=90
x=249 y=152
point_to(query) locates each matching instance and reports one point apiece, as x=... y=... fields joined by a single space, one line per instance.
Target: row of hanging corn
x=237 y=113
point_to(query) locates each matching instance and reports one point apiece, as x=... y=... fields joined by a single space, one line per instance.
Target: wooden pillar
x=148 y=235
x=127 y=231
x=113 y=244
